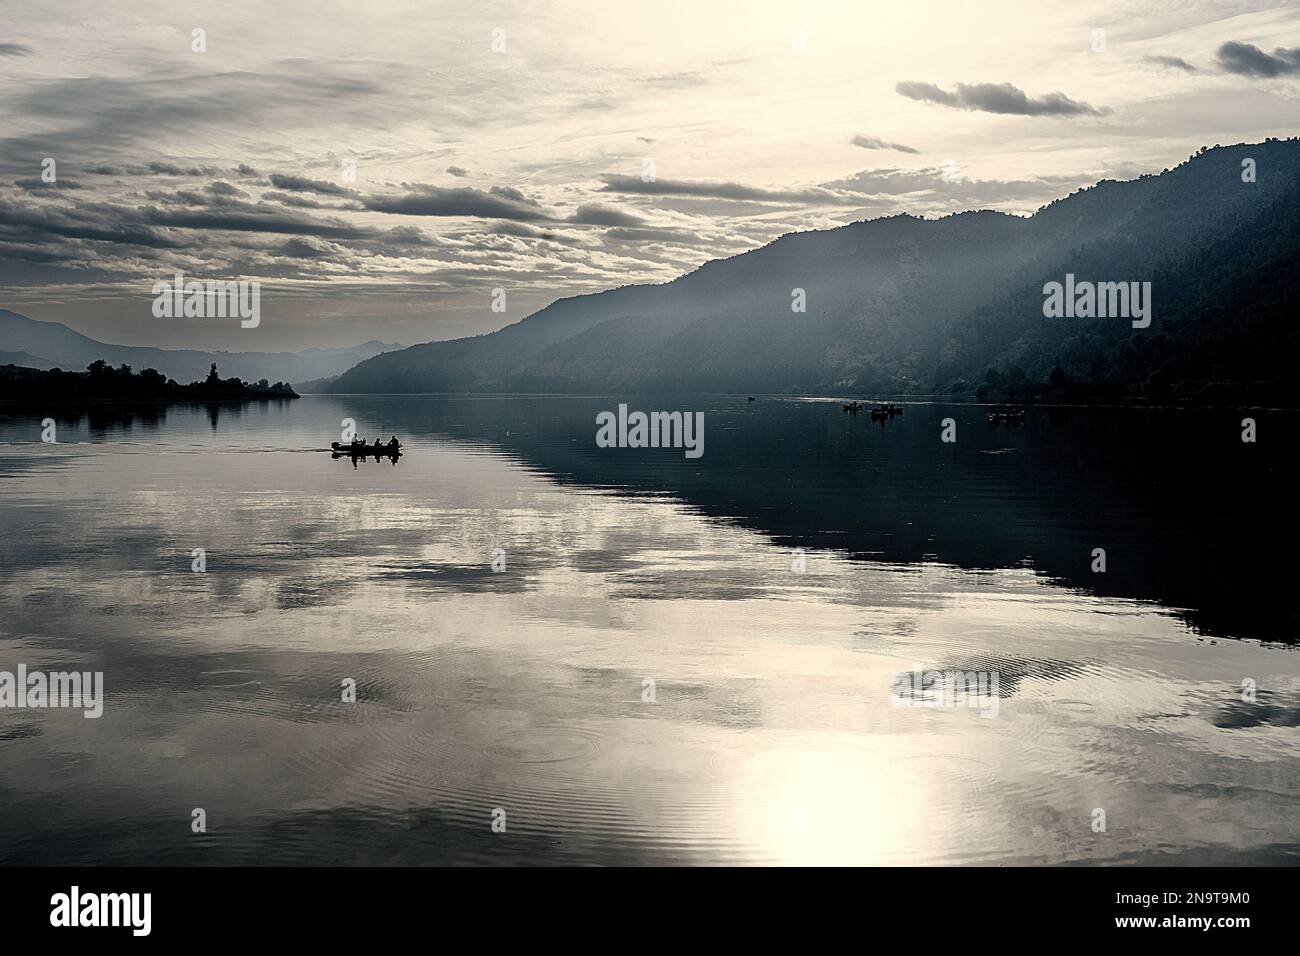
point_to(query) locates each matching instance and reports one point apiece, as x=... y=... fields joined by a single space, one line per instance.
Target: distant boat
x=853 y=407
x=390 y=449
x=751 y=398
x=1011 y=416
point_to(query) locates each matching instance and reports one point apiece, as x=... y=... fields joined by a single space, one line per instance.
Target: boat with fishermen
x=883 y=410
x=358 y=448
x=1010 y=416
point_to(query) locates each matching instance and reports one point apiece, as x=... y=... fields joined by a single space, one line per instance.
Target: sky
x=383 y=168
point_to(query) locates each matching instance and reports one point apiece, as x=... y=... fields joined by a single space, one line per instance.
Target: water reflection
x=646 y=679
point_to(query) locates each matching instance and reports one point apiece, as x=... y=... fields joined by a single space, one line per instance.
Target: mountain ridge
x=53 y=344
x=908 y=305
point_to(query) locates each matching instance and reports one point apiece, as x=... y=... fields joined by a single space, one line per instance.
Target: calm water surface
x=773 y=736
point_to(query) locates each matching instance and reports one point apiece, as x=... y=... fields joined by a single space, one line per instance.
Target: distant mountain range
x=951 y=306
x=47 y=345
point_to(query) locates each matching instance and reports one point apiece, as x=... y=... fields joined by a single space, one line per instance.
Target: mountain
x=46 y=345
x=26 y=360
x=904 y=305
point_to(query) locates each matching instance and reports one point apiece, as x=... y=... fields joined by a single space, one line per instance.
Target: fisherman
x=393 y=443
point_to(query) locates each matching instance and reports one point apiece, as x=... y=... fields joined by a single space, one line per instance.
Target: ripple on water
x=545 y=745
x=930 y=767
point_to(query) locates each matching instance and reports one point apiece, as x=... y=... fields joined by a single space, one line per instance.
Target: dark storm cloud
x=1170 y=62
x=157 y=169
x=102 y=222
x=871 y=142
x=997 y=98
x=172 y=169
x=154 y=225
x=306 y=248
x=596 y=215
x=15 y=49
x=711 y=190
x=303 y=184
x=254 y=217
x=36 y=185
x=424 y=200
x=1246 y=59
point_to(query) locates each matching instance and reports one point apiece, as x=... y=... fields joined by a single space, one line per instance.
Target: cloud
x=305 y=185
x=997 y=98
x=594 y=214
x=172 y=169
x=424 y=200
x=678 y=236
x=712 y=190
x=459 y=172
x=1246 y=59
x=295 y=200
x=157 y=168
x=308 y=247
x=15 y=49
x=102 y=222
x=871 y=142
x=940 y=185
x=221 y=188
x=1170 y=62
x=35 y=185
x=681 y=80
x=253 y=217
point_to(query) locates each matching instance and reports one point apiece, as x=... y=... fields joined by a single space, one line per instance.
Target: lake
x=570 y=654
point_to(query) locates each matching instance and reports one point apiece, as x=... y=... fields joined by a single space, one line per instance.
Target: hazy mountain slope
x=1222 y=257
x=68 y=349
x=909 y=305
x=26 y=360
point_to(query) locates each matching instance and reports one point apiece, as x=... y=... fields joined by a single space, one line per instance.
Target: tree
x=213 y=377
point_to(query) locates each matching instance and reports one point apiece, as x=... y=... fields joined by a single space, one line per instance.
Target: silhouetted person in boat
x=393 y=443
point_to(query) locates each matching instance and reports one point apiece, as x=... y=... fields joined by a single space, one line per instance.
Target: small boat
x=853 y=407
x=357 y=450
x=887 y=408
x=1012 y=416
x=751 y=398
